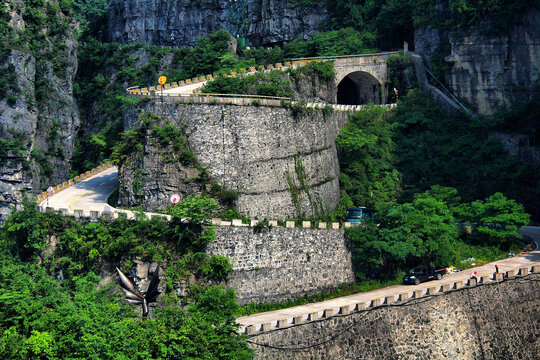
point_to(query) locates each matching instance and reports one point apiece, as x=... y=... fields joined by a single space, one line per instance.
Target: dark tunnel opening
x=359 y=88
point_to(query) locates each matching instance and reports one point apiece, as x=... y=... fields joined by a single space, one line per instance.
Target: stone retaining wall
x=496 y=320
x=277 y=264
x=251 y=150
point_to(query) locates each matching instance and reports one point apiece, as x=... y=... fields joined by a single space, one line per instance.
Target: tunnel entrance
x=359 y=88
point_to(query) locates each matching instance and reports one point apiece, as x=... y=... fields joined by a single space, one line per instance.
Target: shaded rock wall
x=491 y=68
x=486 y=322
x=180 y=23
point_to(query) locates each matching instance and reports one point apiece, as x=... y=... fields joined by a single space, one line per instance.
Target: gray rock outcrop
x=180 y=23
x=491 y=68
x=39 y=115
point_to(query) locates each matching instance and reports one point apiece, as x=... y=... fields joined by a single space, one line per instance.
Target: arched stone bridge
x=360 y=79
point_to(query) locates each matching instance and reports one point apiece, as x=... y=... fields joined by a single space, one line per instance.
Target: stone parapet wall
x=276 y=264
x=495 y=320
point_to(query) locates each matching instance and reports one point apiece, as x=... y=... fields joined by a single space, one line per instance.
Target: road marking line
x=103 y=183
x=77 y=198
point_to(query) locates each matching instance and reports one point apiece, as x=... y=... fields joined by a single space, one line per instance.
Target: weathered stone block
x=403 y=297
x=432 y=290
x=252 y=329
x=237 y=222
x=281 y=323
x=289 y=224
x=485 y=279
x=458 y=285
x=216 y=221
x=266 y=327
x=328 y=313
x=63 y=211
x=78 y=213
x=535 y=269
x=306 y=224
x=273 y=223
x=418 y=294
x=298 y=320
x=510 y=274
x=344 y=310
x=389 y=300
x=524 y=271
x=313 y=316
x=376 y=302
x=498 y=276
x=94 y=214
x=335 y=226
x=472 y=282
x=322 y=225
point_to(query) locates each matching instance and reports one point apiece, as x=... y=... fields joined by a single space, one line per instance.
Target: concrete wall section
x=499 y=321
x=278 y=264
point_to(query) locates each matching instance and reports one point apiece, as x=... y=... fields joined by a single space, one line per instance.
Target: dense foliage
x=437 y=229
x=434 y=147
x=58 y=308
x=366 y=149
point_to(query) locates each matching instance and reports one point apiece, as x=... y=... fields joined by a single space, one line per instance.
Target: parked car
x=423 y=273
x=356 y=216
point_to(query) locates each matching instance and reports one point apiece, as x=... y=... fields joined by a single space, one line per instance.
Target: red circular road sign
x=175 y=198
x=162 y=80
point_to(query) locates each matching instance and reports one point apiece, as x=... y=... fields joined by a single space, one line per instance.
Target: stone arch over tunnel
x=358 y=88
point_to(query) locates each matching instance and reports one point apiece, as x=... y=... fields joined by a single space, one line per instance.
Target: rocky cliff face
x=179 y=23
x=490 y=68
x=39 y=116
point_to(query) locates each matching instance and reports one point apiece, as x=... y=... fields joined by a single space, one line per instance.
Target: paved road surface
x=90 y=194
x=504 y=265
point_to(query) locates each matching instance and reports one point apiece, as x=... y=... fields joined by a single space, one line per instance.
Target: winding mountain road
x=92 y=194
x=88 y=195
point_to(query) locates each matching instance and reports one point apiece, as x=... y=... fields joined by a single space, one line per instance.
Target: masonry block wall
x=278 y=264
x=250 y=150
x=498 y=321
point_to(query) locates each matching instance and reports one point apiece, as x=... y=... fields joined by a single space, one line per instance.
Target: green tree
x=196 y=208
x=405 y=235
x=24 y=232
x=365 y=150
x=497 y=220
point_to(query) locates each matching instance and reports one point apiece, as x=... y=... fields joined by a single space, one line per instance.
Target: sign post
x=175 y=199
x=162 y=80
x=49 y=193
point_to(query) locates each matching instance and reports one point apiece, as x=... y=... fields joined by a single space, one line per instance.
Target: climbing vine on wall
x=299 y=187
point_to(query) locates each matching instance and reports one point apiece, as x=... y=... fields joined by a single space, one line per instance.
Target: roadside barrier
x=56 y=189
x=391 y=300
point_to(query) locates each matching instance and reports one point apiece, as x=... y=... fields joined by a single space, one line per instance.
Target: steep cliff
x=490 y=67
x=38 y=113
x=179 y=23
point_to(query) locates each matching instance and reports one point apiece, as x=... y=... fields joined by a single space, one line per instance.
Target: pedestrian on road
x=496 y=269
x=473 y=276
